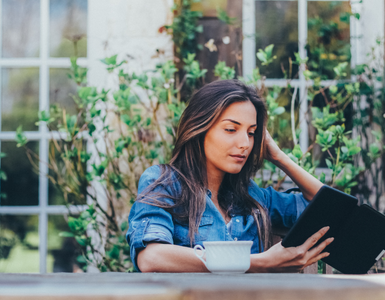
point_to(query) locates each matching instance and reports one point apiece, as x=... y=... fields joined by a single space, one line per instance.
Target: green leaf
x=110 y=60
x=199 y=29
x=81 y=240
x=278 y=111
x=329 y=163
x=374 y=148
x=322 y=177
x=262 y=56
x=81 y=259
x=354 y=150
x=66 y=234
x=297 y=152
x=308 y=74
x=114 y=253
x=85 y=92
x=124 y=226
x=3 y=176
x=21 y=139
x=352 y=184
x=333 y=89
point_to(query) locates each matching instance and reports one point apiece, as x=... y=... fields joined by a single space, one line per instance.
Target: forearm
x=308 y=184
x=265 y=263
x=258 y=263
x=166 y=258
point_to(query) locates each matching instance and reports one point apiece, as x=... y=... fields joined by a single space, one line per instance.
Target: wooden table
x=158 y=286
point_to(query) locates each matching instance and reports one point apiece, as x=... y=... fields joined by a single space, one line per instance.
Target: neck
x=214 y=181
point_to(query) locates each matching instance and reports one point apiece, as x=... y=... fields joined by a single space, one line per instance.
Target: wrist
x=259 y=263
x=279 y=158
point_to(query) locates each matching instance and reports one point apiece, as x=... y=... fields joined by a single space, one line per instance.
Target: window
x=37 y=37
x=293 y=26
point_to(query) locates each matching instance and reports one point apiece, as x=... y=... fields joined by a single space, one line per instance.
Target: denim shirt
x=148 y=223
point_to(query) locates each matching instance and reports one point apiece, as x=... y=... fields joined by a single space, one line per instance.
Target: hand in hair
x=272 y=152
x=278 y=259
x=308 y=184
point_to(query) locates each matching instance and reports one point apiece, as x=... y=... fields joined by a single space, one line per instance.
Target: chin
x=234 y=170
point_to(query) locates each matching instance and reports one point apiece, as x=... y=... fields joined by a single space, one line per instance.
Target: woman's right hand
x=279 y=259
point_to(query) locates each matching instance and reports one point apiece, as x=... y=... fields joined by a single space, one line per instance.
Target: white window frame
x=249 y=54
x=44 y=62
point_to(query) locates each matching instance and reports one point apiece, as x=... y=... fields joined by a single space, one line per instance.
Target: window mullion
x=248 y=44
x=302 y=39
x=35 y=210
x=43 y=149
x=1 y=70
x=355 y=33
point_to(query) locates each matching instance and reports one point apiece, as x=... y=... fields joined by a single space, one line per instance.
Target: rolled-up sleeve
x=284 y=209
x=148 y=223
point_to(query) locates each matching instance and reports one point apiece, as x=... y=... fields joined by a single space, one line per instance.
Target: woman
x=206 y=193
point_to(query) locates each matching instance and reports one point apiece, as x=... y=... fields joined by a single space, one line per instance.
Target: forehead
x=242 y=112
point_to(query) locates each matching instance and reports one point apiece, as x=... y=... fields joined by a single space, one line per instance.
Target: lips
x=239 y=158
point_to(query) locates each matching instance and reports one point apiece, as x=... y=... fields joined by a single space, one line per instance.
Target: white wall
x=369 y=28
x=126 y=27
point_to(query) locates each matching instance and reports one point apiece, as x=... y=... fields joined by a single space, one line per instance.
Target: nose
x=243 y=141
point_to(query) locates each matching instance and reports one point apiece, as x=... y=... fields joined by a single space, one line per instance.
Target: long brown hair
x=188 y=162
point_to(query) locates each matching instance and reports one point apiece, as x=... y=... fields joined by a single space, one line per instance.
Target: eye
x=230 y=130
x=251 y=133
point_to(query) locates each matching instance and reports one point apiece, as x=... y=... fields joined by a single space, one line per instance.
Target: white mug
x=225 y=257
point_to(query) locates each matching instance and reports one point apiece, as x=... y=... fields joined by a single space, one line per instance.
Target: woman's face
x=230 y=140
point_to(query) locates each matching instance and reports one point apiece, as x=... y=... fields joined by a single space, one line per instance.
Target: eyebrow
x=235 y=122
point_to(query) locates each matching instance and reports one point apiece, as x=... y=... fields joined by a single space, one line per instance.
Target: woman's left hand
x=271 y=152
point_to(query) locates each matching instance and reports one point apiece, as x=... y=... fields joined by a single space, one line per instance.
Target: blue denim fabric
x=149 y=223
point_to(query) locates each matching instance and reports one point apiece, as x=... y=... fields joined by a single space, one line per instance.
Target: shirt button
x=237 y=221
x=235 y=239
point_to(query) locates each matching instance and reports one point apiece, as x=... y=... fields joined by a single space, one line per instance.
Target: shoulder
x=151 y=173
x=156 y=172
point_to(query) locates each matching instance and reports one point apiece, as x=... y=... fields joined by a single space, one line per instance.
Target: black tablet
x=358 y=231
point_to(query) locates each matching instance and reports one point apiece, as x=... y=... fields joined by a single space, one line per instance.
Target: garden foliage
x=117 y=133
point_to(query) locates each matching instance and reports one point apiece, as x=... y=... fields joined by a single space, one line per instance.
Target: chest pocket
x=181 y=231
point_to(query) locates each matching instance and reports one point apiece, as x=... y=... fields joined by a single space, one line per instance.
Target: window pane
x=328 y=36
x=22 y=184
x=61 y=89
x=277 y=23
x=62 y=252
x=281 y=127
x=66 y=180
x=68 y=28
x=55 y=196
x=21 y=28
x=19 y=98
x=19 y=244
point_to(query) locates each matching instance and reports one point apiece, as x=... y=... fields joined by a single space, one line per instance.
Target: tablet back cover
x=360 y=243
x=329 y=207
x=359 y=231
